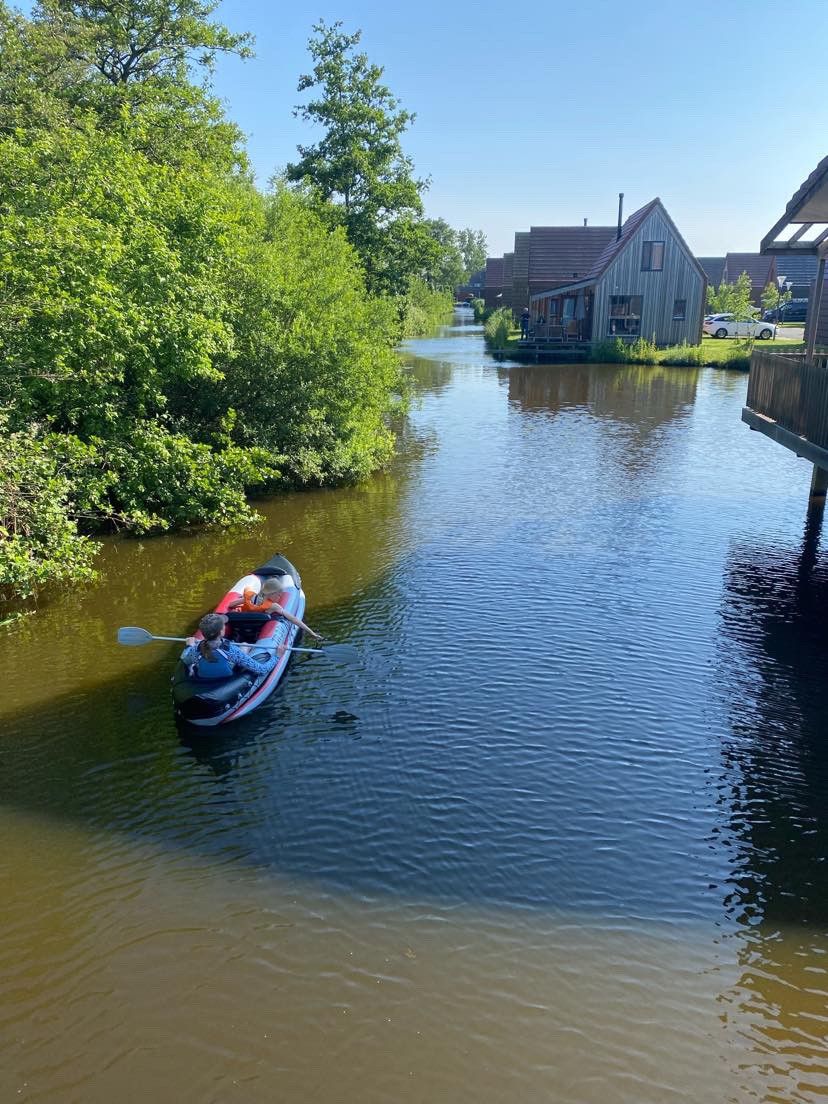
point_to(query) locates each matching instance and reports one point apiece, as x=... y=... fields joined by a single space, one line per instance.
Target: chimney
x=585 y=222
x=620 y=214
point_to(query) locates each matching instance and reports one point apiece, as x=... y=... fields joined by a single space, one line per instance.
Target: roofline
x=795 y=204
x=562 y=289
x=624 y=245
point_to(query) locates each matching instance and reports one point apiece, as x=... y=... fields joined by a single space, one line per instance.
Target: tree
x=358 y=167
x=472 y=246
x=134 y=41
x=445 y=269
x=774 y=299
x=732 y=299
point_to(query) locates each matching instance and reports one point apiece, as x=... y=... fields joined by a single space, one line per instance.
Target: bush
x=39 y=540
x=479 y=309
x=610 y=351
x=642 y=351
x=685 y=355
x=498 y=328
x=424 y=308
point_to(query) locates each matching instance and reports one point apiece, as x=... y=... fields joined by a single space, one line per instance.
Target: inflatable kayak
x=217 y=701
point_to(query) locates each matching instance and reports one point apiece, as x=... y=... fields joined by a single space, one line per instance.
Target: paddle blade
x=342 y=653
x=132 y=635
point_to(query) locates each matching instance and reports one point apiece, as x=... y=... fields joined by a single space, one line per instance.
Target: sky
x=542 y=114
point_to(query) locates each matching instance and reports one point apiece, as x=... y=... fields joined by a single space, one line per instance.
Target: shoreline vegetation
x=174 y=339
x=503 y=339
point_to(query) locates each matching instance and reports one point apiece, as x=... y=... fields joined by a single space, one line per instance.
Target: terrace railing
x=793 y=393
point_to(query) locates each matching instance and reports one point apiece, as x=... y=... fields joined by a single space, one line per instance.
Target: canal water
x=559 y=834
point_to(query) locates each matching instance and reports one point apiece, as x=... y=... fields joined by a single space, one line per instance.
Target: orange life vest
x=253 y=603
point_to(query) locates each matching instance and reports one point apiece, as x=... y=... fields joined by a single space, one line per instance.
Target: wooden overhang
x=803 y=228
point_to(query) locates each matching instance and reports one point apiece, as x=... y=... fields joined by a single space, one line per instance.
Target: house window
x=625 y=316
x=652 y=256
x=679 y=310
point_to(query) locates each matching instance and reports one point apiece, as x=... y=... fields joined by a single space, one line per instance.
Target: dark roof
x=508 y=259
x=520 y=267
x=758 y=266
x=614 y=247
x=797 y=269
x=494 y=272
x=714 y=269
x=558 y=254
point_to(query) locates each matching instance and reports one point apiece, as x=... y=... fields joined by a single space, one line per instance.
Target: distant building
x=760 y=268
x=493 y=282
x=713 y=269
x=473 y=289
x=800 y=272
x=644 y=282
x=506 y=296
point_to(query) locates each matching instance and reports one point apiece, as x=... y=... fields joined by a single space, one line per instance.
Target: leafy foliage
x=732 y=299
x=498 y=328
x=170 y=338
x=774 y=299
x=39 y=541
x=472 y=246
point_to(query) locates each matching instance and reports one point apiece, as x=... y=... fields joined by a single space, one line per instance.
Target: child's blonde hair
x=272 y=585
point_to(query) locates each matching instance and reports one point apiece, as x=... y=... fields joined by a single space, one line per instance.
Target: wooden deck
x=787 y=400
x=543 y=349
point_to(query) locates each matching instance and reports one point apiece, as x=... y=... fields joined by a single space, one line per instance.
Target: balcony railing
x=794 y=394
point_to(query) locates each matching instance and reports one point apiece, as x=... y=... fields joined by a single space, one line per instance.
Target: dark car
x=794 y=311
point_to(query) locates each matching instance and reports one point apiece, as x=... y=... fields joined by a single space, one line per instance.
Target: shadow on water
x=776 y=776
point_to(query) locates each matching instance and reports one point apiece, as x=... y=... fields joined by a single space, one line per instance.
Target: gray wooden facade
x=672 y=296
x=680 y=279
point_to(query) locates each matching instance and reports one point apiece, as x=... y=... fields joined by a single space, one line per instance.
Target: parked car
x=725 y=325
x=795 y=311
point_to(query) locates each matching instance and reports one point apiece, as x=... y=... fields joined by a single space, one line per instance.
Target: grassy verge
x=712 y=352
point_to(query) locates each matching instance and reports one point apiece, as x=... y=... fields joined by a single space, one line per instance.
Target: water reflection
x=773 y=661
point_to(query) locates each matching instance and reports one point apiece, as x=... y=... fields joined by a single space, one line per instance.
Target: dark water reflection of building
x=773 y=655
x=774 y=658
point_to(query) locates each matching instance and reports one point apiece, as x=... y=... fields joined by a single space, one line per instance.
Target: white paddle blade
x=132 y=635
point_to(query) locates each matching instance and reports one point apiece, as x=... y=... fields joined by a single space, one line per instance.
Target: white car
x=725 y=325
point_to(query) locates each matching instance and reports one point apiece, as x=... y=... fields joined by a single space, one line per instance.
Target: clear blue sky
x=541 y=114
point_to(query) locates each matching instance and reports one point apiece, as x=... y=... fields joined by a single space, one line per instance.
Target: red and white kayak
x=210 y=702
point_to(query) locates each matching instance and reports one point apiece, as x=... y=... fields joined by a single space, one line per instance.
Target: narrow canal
x=559 y=835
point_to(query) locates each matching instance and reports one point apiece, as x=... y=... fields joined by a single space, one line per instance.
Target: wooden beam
x=813 y=310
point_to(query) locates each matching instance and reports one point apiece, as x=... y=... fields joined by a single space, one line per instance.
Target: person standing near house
x=524 y=323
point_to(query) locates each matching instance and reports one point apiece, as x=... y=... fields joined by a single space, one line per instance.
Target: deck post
x=819 y=487
x=813 y=310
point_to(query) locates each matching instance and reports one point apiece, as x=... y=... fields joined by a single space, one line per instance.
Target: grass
x=712 y=352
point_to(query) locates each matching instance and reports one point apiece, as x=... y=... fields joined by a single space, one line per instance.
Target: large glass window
x=625 y=315
x=679 y=310
x=652 y=256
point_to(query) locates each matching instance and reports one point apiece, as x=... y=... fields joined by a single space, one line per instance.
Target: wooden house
x=520 y=273
x=644 y=282
x=493 y=282
x=760 y=268
x=787 y=397
x=506 y=297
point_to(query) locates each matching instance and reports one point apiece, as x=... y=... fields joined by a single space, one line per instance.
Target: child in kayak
x=267 y=601
x=214 y=657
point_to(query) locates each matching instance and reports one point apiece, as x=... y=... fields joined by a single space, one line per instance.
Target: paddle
x=135 y=637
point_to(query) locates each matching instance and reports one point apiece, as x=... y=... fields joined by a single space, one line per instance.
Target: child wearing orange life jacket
x=267 y=601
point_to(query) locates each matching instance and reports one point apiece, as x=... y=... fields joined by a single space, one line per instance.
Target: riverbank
x=711 y=353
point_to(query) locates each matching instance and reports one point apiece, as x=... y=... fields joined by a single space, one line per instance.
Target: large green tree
x=358 y=166
x=472 y=246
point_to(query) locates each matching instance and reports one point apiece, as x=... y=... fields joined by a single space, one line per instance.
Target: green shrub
x=39 y=540
x=424 y=309
x=498 y=328
x=610 y=351
x=684 y=355
x=479 y=309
